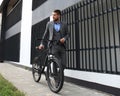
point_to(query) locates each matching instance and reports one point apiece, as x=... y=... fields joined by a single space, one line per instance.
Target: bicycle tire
x=36 y=70
x=60 y=77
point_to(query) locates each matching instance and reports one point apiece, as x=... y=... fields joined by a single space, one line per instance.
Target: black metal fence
x=95 y=36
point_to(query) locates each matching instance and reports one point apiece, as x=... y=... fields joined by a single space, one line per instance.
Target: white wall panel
x=25 y=42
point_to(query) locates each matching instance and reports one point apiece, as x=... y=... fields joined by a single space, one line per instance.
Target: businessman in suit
x=57 y=32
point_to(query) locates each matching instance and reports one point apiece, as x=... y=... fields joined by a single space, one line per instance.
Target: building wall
x=12 y=33
x=38 y=14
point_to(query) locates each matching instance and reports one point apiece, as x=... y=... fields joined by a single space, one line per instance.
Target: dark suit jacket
x=49 y=31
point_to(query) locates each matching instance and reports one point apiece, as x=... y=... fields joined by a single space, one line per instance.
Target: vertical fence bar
x=92 y=34
x=70 y=59
x=69 y=26
x=84 y=49
x=100 y=35
x=82 y=60
x=73 y=32
x=77 y=36
x=79 y=22
x=72 y=37
x=96 y=36
x=88 y=38
x=65 y=18
x=104 y=36
x=109 y=36
x=114 y=36
x=67 y=56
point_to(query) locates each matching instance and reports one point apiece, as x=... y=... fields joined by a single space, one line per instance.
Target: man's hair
x=57 y=11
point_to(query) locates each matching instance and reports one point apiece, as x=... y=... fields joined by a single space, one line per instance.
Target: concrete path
x=23 y=80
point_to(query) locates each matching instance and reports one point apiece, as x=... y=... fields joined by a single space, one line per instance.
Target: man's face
x=56 y=16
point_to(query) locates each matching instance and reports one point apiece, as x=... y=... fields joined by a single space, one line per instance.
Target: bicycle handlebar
x=48 y=40
x=56 y=41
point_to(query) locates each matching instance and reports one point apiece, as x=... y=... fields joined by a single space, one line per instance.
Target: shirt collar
x=57 y=22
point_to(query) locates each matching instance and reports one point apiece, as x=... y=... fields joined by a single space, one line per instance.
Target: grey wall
x=13 y=30
x=46 y=9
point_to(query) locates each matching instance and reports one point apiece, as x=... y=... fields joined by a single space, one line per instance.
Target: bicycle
x=54 y=74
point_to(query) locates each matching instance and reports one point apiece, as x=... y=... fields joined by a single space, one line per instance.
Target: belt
x=57 y=43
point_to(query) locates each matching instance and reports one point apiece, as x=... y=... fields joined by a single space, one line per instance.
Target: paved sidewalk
x=23 y=80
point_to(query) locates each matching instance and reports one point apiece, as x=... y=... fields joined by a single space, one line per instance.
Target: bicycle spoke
x=36 y=72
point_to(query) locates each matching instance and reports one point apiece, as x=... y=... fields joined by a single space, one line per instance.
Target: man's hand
x=62 y=40
x=41 y=47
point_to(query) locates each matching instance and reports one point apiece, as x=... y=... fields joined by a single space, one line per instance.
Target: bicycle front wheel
x=55 y=76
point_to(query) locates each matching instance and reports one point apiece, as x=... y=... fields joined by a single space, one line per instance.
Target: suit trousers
x=59 y=52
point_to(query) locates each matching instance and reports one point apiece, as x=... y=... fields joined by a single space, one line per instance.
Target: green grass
x=7 y=89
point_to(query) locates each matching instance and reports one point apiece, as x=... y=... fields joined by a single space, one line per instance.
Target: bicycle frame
x=48 y=57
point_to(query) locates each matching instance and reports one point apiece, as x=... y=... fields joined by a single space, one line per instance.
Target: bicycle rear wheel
x=55 y=76
x=36 y=70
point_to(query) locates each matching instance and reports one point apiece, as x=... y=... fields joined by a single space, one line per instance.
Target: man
x=58 y=34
